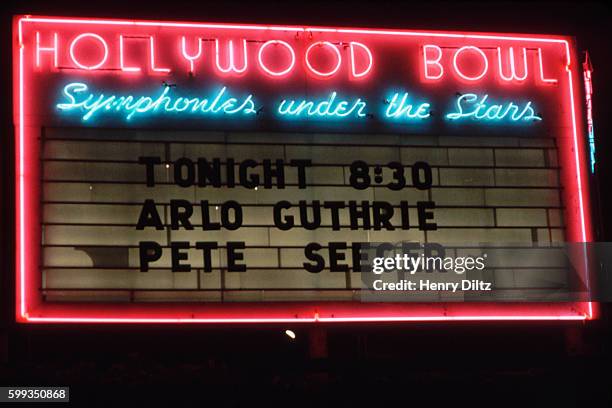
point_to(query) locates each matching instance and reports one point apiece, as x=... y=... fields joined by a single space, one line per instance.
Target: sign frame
x=30 y=307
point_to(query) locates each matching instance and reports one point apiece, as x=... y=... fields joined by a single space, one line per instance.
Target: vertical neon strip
x=588 y=95
x=22 y=300
x=152 y=55
x=122 y=58
x=579 y=166
x=542 y=78
x=576 y=150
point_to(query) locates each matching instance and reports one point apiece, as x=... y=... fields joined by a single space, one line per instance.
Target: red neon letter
x=231 y=66
x=152 y=54
x=191 y=58
x=485 y=68
x=40 y=49
x=511 y=62
x=364 y=72
x=122 y=58
x=265 y=67
x=79 y=38
x=332 y=47
x=544 y=80
x=427 y=62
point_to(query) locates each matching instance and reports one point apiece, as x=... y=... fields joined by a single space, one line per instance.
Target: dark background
x=498 y=364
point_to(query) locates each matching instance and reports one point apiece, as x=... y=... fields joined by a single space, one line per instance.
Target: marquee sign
x=157 y=161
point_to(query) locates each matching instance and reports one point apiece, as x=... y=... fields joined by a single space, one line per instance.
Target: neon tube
x=336 y=52
x=79 y=38
x=130 y=105
x=231 y=66
x=265 y=67
x=122 y=57
x=23 y=196
x=542 y=78
x=513 y=75
x=478 y=109
x=366 y=71
x=154 y=68
x=436 y=62
x=46 y=49
x=588 y=95
x=480 y=52
x=187 y=56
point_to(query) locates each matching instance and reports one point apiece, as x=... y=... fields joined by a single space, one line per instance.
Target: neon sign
x=263 y=65
x=228 y=56
x=434 y=68
x=232 y=56
x=50 y=52
x=91 y=104
x=232 y=66
x=331 y=107
x=474 y=107
x=401 y=108
x=588 y=94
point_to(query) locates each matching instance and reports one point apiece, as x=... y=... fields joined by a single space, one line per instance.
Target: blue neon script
x=90 y=104
x=332 y=107
x=401 y=108
x=477 y=108
x=77 y=98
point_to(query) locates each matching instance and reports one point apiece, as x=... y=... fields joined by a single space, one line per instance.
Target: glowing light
x=129 y=105
x=513 y=75
x=480 y=52
x=187 y=56
x=265 y=67
x=449 y=318
x=154 y=68
x=211 y=320
x=122 y=57
x=290 y=334
x=79 y=38
x=328 y=108
x=333 y=48
x=259 y=27
x=427 y=62
x=21 y=259
x=402 y=109
x=367 y=70
x=588 y=94
x=542 y=78
x=231 y=66
x=479 y=110
x=40 y=49
x=577 y=160
x=29 y=309
x=314 y=319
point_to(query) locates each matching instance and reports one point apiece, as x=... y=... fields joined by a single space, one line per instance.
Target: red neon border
x=306 y=312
